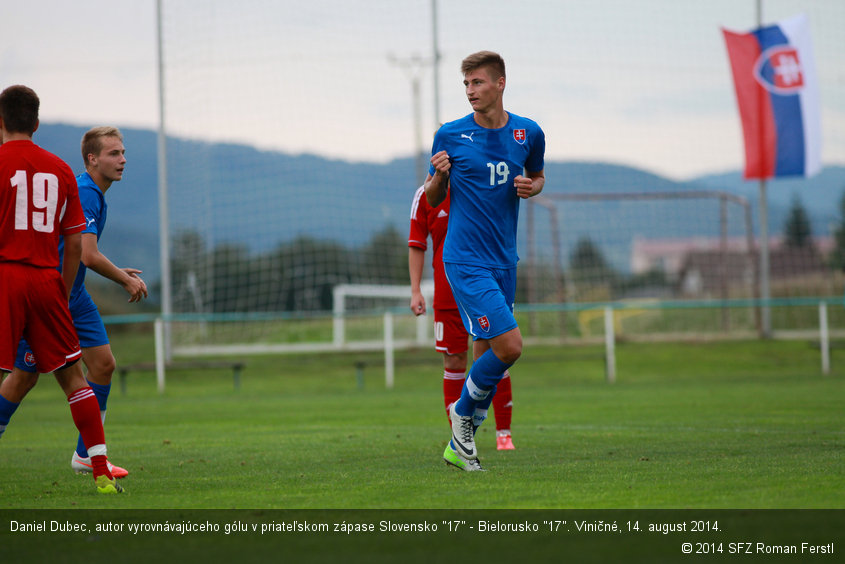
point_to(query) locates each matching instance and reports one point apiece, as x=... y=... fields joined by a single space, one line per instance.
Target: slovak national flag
x=777 y=92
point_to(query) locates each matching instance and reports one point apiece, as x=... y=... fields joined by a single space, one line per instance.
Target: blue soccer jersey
x=95 y=209
x=484 y=206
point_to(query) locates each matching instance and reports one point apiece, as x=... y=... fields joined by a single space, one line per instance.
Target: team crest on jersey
x=519 y=136
x=484 y=323
x=29 y=358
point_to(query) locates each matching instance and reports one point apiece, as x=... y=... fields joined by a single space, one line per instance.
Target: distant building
x=702 y=267
x=668 y=255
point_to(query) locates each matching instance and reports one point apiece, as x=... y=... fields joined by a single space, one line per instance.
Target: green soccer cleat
x=454 y=459
x=106 y=485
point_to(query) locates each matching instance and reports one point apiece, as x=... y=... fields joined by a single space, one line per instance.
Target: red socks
x=503 y=403
x=86 y=416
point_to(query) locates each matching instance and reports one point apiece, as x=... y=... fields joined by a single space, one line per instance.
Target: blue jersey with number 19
x=484 y=206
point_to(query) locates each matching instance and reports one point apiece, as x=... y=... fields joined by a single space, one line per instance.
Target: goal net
x=278 y=197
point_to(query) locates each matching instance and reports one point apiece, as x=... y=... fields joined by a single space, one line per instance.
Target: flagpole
x=765 y=294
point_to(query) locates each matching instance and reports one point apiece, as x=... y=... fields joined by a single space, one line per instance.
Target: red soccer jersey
x=39 y=202
x=426 y=221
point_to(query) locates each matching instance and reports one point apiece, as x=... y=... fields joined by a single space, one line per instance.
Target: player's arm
x=416 y=261
x=531 y=185
x=70 y=259
x=436 y=185
x=98 y=262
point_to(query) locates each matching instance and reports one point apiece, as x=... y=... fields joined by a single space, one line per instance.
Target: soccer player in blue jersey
x=492 y=158
x=104 y=156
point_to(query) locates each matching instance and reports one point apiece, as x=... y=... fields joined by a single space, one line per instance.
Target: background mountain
x=350 y=202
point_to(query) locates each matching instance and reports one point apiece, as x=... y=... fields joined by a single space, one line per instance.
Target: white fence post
x=388 y=350
x=158 y=330
x=609 y=345
x=338 y=311
x=824 y=340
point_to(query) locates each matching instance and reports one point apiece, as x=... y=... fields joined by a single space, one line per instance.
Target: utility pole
x=414 y=66
x=435 y=63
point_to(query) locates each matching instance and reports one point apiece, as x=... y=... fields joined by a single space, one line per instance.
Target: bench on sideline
x=236 y=366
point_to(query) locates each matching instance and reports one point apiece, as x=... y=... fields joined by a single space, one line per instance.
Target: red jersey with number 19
x=39 y=202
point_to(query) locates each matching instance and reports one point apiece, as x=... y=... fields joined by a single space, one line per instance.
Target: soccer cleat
x=463 y=434
x=106 y=485
x=454 y=459
x=504 y=441
x=83 y=466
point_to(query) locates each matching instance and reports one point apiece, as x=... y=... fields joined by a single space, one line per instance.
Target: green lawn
x=716 y=425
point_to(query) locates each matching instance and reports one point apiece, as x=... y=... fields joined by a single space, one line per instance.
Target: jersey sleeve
x=92 y=207
x=439 y=144
x=536 y=158
x=418 y=233
x=73 y=219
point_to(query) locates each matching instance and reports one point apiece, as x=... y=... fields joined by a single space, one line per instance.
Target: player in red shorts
x=451 y=337
x=39 y=203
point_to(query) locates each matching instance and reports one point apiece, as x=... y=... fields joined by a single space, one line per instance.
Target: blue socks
x=480 y=384
x=7 y=409
x=101 y=392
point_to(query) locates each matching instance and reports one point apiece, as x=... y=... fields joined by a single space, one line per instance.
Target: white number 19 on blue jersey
x=499 y=173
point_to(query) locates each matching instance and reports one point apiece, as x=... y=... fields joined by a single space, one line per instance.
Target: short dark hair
x=489 y=59
x=92 y=141
x=19 y=109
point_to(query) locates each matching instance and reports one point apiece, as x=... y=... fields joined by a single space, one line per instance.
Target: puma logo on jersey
x=465 y=136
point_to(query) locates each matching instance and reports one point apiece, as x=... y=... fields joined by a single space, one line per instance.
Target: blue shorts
x=485 y=298
x=89 y=328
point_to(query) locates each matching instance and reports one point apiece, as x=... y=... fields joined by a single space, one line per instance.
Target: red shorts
x=34 y=301
x=450 y=336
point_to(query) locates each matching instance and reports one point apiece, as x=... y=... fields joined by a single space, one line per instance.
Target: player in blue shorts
x=104 y=156
x=493 y=158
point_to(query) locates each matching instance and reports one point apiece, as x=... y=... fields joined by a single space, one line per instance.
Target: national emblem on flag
x=777 y=93
x=519 y=136
x=484 y=323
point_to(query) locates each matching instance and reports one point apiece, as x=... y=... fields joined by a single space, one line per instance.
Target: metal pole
x=158 y=331
x=824 y=338
x=388 y=351
x=609 y=345
x=163 y=210
x=765 y=293
x=755 y=267
x=414 y=67
x=418 y=144
x=435 y=64
x=723 y=259
x=531 y=279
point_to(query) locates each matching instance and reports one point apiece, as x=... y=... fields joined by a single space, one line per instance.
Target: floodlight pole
x=163 y=209
x=765 y=292
x=435 y=62
x=414 y=65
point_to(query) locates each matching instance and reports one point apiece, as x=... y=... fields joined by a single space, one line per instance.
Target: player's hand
x=135 y=285
x=417 y=304
x=524 y=186
x=441 y=162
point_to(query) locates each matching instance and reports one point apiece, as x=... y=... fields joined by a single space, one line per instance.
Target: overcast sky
x=644 y=83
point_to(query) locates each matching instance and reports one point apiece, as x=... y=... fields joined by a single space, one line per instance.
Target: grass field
x=727 y=425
